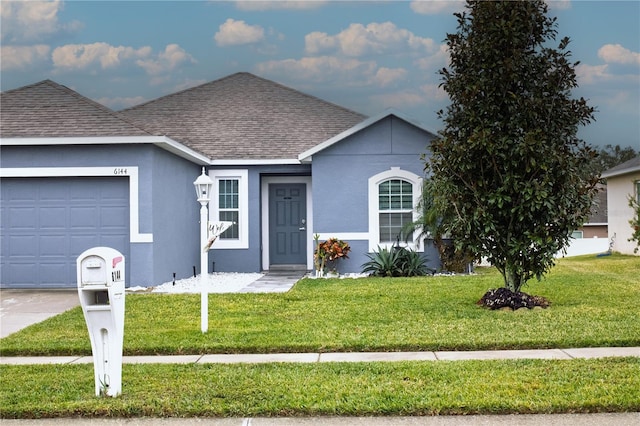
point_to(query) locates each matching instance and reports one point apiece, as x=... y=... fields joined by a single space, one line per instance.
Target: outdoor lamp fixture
x=203 y=187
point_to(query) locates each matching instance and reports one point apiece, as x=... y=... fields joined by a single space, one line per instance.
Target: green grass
x=344 y=389
x=594 y=303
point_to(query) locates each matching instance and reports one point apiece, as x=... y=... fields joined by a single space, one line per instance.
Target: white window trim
x=126 y=171
x=374 y=218
x=243 y=207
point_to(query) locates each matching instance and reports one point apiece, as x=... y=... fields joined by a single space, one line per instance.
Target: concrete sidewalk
x=341 y=357
x=597 y=419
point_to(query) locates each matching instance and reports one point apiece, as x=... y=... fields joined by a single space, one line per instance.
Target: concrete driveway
x=21 y=308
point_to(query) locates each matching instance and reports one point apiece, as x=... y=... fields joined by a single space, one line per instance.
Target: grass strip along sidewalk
x=594 y=303
x=344 y=389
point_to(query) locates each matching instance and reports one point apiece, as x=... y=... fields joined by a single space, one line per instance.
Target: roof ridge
x=266 y=80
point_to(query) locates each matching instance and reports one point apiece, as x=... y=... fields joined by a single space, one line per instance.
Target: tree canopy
x=509 y=174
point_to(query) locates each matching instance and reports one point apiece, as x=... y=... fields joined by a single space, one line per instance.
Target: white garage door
x=47 y=222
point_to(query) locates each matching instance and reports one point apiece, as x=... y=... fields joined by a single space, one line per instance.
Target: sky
x=363 y=55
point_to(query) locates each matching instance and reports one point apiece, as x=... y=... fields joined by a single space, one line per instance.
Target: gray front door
x=287 y=224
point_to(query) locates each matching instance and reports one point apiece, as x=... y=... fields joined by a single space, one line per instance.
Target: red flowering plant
x=329 y=251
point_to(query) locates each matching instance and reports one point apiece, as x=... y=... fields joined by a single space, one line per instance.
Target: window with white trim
x=230 y=202
x=395 y=207
x=393 y=194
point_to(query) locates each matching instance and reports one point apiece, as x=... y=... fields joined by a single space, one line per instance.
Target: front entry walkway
x=278 y=281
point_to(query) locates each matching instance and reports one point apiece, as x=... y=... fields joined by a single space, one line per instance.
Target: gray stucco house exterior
x=285 y=165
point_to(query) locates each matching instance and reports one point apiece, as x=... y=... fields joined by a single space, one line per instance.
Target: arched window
x=393 y=196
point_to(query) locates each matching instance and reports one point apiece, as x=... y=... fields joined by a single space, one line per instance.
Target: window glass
x=395 y=203
x=228 y=207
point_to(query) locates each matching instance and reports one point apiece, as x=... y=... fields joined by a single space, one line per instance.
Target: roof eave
x=163 y=142
x=255 y=161
x=621 y=172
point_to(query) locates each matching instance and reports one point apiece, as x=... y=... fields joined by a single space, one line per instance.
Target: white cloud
x=434 y=92
x=617 y=54
x=559 y=4
x=591 y=74
x=386 y=76
x=168 y=60
x=29 y=21
x=321 y=69
x=399 y=100
x=233 y=33
x=427 y=94
x=83 y=56
x=437 y=7
x=375 y=38
x=435 y=61
x=257 y=5
x=21 y=57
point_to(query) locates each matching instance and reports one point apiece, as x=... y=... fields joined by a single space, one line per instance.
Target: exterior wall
x=594 y=231
x=619 y=188
x=160 y=179
x=340 y=182
x=175 y=217
x=250 y=259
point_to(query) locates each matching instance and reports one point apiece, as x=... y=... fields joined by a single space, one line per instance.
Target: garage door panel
x=53 y=245
x=52 y=272
x=84 y=217
x=53 y=218
x=21 y=274
x=112 y=217
x=22 y=218
x=48 y=222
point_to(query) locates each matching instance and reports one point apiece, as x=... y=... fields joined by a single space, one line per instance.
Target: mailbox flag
x=115 y=261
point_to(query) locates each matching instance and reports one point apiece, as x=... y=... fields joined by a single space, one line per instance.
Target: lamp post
x=203 y=190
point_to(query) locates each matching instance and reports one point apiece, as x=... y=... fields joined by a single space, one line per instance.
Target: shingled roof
x=244 y=117
x=48 y=109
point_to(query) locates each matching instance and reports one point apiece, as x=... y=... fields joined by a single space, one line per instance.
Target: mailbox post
x=101 y=281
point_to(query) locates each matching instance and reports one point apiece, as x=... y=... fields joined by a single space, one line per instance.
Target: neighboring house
x=591 y=238
x=285 y=166
x=623 y=181
x=596 y=225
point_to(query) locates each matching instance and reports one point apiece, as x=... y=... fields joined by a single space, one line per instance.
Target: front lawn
x=594 y=303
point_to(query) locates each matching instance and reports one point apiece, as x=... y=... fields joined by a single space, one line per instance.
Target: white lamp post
x=203 y=190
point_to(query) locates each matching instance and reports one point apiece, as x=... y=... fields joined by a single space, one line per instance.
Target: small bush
x=396 y=262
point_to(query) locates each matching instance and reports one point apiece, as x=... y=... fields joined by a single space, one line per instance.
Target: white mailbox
x=101 y=291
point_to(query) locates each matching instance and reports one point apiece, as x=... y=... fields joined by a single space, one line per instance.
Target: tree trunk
x=513 y=280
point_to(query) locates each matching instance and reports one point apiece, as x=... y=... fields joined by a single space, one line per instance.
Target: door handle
x=302 y=226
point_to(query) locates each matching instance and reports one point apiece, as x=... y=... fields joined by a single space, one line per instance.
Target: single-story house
x=623 y=181
x=286 y=166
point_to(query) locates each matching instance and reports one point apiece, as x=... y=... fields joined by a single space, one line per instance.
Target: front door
x=287 y=224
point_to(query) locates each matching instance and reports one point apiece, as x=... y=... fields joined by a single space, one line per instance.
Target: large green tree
x=509 y=172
